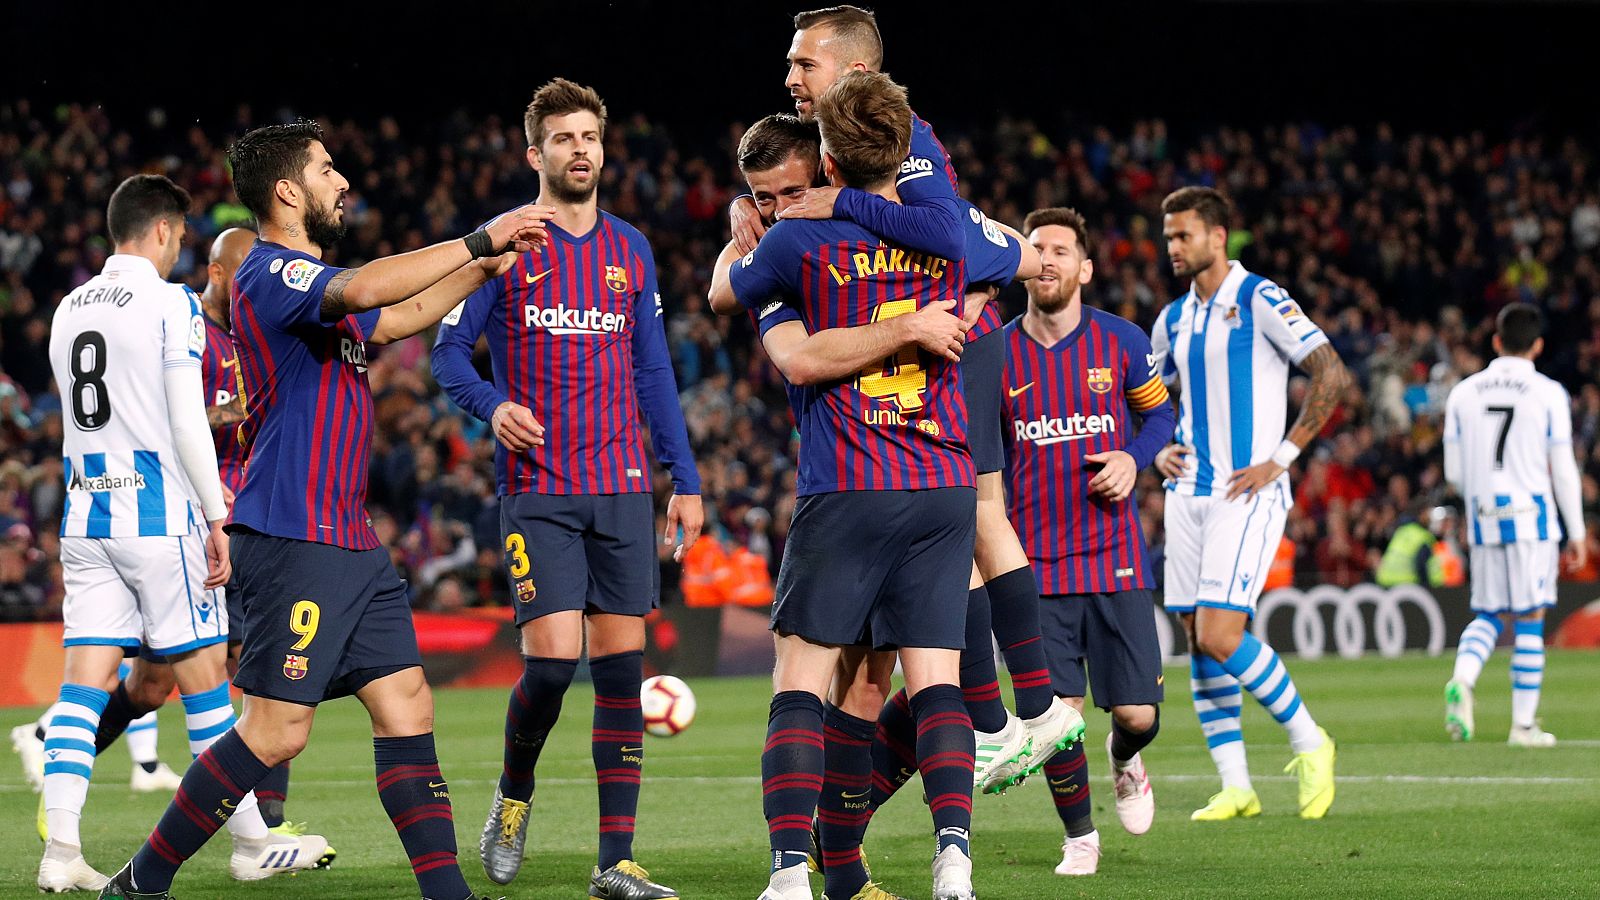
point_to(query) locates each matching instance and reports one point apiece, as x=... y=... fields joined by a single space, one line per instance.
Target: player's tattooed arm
x=334 y=305
x=225 y=414
x=1329 y=380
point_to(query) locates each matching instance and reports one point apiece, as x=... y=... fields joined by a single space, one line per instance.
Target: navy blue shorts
x=983 y=367
x=590 y=552
x=890 y=564
x=1115 y=634
x=322 y=621
x=235 y=610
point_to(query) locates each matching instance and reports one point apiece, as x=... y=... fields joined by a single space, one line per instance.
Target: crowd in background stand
x=1402 y=246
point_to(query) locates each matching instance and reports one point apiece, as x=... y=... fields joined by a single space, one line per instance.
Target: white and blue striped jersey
x=1503 y=430
x=1230 y=357
x=110 y=342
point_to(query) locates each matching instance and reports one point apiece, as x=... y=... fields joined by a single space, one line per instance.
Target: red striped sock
x=417 y=800
x=617 y=744
x=1014 y=605
x=843 y=809
x=894 y=750
x=791 y=775
x=212 y=787
x=1068 y=774
x=945 y=747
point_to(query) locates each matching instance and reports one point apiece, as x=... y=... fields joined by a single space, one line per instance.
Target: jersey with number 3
x=1230 y=355
x=897 y=426
x=110 y=342
x=1505 y=422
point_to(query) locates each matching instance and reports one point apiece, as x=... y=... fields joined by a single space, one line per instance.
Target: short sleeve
x=286 y=290
x=1284 y=324
x=183 y=329
x=773 y=313
x=992 y=255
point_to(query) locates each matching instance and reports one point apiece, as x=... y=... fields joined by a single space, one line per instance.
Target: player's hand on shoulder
x=515 y=426
x=1116 y=477
x=687 y=512
x=978 y=296
x=816 y=203
x=936 y=328
x=495 y=266
x=1246 y=482
x=1173 y=460
x=745 y=220
x=521 y=229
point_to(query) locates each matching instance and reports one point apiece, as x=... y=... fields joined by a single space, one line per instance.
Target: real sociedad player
x=827 y=43
x=578 y=351
x=1075 y=377
x=1228 y=343
x=883 y=529
x=326 y=614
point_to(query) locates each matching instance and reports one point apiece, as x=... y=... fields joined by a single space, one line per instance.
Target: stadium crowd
x=1401 y=246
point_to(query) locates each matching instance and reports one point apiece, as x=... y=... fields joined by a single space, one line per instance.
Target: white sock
x=1217 y=701
x=142 y=736
x=1475 y=647
x=1527 y=673
x=43 y=723
x=69 y=758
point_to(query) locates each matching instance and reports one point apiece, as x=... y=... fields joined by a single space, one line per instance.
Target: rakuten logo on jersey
x=1055 y=429
x=561 y=320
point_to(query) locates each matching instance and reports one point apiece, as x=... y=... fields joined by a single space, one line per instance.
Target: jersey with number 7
x=1505 y=428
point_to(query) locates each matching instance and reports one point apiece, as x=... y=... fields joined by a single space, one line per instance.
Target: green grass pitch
x=1416 y=816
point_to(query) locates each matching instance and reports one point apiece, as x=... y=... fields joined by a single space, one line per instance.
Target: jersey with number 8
x=1502 y=427
x=110 y=342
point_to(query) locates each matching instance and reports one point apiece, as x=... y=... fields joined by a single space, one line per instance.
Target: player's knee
x=1219 y=645
x=1137 y=719
x=149 y=692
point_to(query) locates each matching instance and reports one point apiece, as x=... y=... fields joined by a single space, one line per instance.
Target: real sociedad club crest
x=295 y=667
x=617 y=279
x=1099 y=379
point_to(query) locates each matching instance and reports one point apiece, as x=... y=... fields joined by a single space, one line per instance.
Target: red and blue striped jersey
x=900 y=425
x=1062 y=403
x=308 y=420
x=575 y=335
x=219 y=369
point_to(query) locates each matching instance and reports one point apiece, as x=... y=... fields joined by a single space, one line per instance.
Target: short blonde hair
x=866 y=127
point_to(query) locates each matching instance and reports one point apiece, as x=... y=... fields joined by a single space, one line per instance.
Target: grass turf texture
x=1415 y=814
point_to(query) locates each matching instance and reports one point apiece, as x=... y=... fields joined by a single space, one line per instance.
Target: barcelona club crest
x=526 y=591
x=1099 y=379
x=295 y=667
x=617 y=279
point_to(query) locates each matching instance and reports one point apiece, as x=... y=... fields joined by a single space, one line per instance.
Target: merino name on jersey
x=900 y=424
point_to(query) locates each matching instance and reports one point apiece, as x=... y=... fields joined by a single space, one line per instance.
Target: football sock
x=1125 y=744
x=894 y=750
x=1475 y=647
x=209 y=715
x=535 y=705
x=791 y=776
x=618 y=749
x=69 y=758
x=843 y=809
x=417 y=800
x=143 y=735
x=271 y=794
x=1263 y=674
x=218 y=780
x=945 y=748
x=980 y=687
x=1014 y=609
x=118 y=717
x=1068 y=774
x=1527 y=672
x=1218 y=701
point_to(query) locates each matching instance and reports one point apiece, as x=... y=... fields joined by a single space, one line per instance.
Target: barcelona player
x=326 y=615
x=578 y=353
x=1075 y=377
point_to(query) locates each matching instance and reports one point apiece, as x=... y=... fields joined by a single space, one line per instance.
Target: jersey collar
x=1516 y=363
x=128 y=262
x=1229 y=287
x=1071 y=336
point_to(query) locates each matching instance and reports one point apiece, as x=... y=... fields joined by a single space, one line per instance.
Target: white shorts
x=1218 y=551
x=1514 y=578
x=121 y=591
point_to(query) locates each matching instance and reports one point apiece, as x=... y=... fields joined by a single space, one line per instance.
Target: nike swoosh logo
x=1013 y=393
x=230 y=363
x=535 y=279
x=1058 y=782
x=630 y=749
x=849 y=796
x=227 y=803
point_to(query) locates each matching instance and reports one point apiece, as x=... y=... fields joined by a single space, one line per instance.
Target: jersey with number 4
x=1505 y=422
x=110 y=342
x=897 y=426
x=1230 y=354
